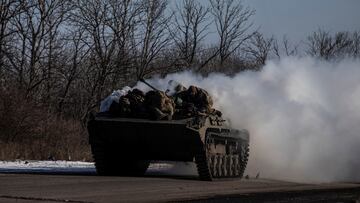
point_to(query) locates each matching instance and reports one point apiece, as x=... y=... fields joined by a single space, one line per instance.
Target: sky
x=298 y=18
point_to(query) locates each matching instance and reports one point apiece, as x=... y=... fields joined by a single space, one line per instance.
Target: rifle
x=152 y=87
x=146 y=83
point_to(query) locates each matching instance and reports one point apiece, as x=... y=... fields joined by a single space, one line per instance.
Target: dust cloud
x=303 y=116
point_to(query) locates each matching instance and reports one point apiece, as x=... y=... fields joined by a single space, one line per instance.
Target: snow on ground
x=172 y=168
x=79 y=167
x=31 y=166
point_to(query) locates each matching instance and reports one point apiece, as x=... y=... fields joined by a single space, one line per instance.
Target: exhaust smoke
x=303 y=116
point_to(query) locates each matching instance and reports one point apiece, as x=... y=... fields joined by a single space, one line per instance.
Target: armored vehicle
x=125 y=146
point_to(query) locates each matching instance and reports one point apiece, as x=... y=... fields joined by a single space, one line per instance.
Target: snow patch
x=32 y=166
x=88 y=168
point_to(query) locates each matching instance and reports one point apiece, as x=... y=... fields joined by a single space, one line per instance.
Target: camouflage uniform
x=137 y=104
x=200 y=98
x=160 y=106
x=130 y=105
x=121 y=109
x=193 y=101
x=157 y=105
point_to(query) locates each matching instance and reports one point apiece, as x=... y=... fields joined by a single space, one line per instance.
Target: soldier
x=160 y=106
x=178 y=91
x=121 y=109
x=196 y=99
x=202 y=101
x=174 y=87
x=130 y=105
x=157 y=105
x=137 y=104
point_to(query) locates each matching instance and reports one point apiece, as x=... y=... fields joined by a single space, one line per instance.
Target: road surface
x=29 y=188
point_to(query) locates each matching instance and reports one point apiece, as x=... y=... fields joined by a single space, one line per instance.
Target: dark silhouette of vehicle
x=125 y=146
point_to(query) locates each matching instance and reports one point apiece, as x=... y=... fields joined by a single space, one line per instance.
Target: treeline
x=60 y=58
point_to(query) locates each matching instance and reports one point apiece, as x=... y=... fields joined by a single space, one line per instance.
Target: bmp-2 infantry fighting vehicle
x=125 y=146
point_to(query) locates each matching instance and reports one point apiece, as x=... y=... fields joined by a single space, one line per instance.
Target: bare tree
x=54 y=44
x=190 y=27
x=8 y=10
x=90 y=17
x=355 y=47
x=323 y=45
x=123 y=21
x=73 y=58
x=36 y=30
x=232 y=25
x=258 y=49
x=285 y=48
x=153 y=35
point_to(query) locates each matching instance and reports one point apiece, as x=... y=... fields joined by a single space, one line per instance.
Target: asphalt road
x=28 y=188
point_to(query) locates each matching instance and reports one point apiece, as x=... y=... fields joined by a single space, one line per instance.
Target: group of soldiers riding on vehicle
x=178 y=103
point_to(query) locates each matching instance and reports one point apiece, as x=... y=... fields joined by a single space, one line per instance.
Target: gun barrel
x=146 y=83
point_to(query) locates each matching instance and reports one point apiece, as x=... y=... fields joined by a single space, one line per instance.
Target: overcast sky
x=298 y=18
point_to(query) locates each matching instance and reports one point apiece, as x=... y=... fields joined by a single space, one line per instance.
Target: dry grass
x=36 y=151
x=64 y=140
x=31 y=131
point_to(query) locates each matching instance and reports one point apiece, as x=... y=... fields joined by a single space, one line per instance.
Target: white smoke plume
x=303 y=116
